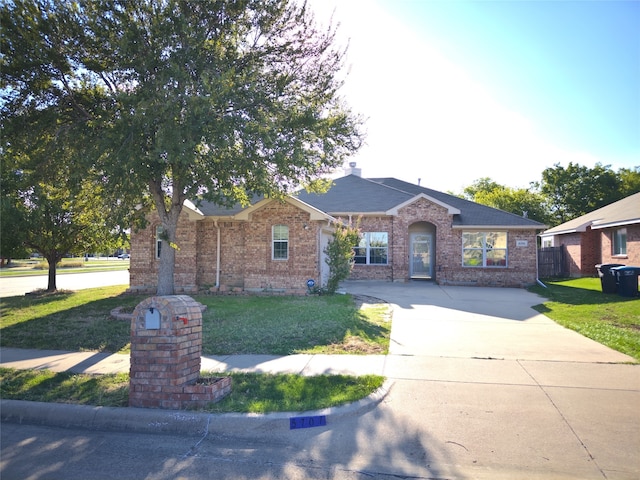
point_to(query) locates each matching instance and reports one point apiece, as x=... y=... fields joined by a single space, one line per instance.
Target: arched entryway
x=422 y=250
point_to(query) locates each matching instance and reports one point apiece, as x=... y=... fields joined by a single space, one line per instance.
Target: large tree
x=215 y=100
x=575 y=190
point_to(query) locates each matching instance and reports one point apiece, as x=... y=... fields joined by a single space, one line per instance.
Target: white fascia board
x=451 y=210
x=620 y=223
x=578 y=229
x=193 y=212
x=497 y=227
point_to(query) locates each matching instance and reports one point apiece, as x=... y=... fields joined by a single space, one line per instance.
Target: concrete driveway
x=491 y=389
x=476 y=322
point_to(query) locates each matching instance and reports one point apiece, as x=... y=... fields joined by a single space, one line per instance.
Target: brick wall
x=633 y=246
x=245 y=253
x=246 y=263
x=261 y=271
x=448 y=269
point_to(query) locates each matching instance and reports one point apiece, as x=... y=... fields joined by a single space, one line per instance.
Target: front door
x=421 y=248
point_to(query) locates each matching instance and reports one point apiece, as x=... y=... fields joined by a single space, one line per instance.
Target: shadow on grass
x=577 y=292
x=74 y=321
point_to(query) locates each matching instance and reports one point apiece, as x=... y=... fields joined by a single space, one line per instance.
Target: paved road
x=484 y=388
x=12 y=286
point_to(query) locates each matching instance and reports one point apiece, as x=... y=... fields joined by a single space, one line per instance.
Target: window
x=372 y=249
x=484 y=249
x=159 y=232
x=620 y=241
x=280 y=235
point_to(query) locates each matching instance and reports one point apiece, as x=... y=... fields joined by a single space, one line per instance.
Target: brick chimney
x=353 y=170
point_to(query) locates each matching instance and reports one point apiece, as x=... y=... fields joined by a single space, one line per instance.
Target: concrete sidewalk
x=479 y=386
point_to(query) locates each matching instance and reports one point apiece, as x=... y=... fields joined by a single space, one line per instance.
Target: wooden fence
x=552 y=262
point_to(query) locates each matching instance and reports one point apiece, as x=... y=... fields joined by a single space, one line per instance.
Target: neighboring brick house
x=409 y=232
x=610 y=234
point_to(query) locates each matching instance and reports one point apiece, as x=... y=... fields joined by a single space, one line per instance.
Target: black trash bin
x=627 y=280
x=608 y=278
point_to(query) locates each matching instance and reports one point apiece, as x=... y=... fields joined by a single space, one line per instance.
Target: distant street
x=12 y=286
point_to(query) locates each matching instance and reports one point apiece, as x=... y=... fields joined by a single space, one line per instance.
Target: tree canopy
x=563 y=193
x=173 y=100
x=519 y=201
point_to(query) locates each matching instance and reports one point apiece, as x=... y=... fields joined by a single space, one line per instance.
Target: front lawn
x=249 y=324
x=250 y=393
x=231 y=325
x=580 y=305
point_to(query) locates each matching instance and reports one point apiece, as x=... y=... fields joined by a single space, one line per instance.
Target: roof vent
x=353 y=170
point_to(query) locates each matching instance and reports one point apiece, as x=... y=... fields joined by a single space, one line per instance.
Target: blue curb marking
x=307 y=422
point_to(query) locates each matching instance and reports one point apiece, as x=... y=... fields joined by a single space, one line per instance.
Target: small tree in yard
x=340 y=255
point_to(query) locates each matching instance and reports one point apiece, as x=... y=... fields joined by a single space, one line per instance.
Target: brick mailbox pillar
x=166 y=346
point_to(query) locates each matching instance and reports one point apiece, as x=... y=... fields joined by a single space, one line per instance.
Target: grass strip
x=251 y=392
x=580 y=305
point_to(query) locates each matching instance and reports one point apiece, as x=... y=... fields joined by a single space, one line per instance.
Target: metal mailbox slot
x=152 y=319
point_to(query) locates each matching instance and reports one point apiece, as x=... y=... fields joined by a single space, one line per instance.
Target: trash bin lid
x=627 y=270
x=608 y=267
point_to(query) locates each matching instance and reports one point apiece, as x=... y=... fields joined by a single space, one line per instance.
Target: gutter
x=215 y=222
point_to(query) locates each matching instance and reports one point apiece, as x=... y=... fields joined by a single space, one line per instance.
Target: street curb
x=141 y=420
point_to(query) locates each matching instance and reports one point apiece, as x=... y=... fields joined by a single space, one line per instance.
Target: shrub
x=340 y=254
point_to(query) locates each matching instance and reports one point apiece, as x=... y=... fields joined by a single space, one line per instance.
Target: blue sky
x=458 y=90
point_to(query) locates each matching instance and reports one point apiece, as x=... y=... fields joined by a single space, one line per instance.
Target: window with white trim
x=159 y=234
x=280 y=242
x=373 y=249
x=620 y=241
x=484 y=249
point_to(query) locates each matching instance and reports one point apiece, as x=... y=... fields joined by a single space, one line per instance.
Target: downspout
x=215 y=222
x=538 y=281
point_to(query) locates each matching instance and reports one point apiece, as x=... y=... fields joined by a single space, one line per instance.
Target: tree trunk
x=169 y=218
x=53 y=263
x=166 y=266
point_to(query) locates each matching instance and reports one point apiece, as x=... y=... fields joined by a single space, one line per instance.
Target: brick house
x=408 y=232
x=610 y=234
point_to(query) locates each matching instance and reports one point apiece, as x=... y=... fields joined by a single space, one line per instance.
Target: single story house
x=408 y=232
x=610 y=234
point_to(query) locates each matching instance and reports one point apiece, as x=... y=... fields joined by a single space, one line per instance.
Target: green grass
x=250 y=393
x=80 y=321
x=77 y=321
x=231 y=325
x=47 y=386
x=292 y=324
x=262 y=393
x=580 y=305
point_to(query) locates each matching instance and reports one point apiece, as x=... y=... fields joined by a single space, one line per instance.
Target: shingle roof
x=622 y=212
x=354 y=195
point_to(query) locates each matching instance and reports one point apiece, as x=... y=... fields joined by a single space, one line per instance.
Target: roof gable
x=450 y=210
x=314 y=213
